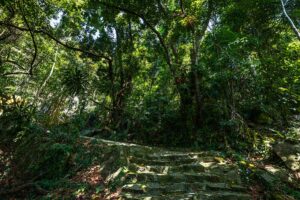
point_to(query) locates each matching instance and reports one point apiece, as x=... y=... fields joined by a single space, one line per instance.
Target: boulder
x=289 y=154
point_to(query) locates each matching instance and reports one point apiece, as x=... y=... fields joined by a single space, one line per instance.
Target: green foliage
x=203 y=73
x=75 y=79
x=42 y=153
x=15 y=116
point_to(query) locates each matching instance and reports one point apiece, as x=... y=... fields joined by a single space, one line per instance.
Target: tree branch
x=43 y=32
x=4 y=36
x=162 y=8
x=33 y=41
x=151 y=27
x=15 y=73
x=49 y=76
x=13 y=63
x=201 y=33
x=181 y=7
x=290 y=20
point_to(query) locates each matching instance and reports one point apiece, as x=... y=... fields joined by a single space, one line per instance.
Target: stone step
x=193 y=167
x=169 y=169
x=176 y=155
x=149 y=161
x=158 y=189
x=179 y=177
x=159 y=174
x=191 y=196
x=180 y=160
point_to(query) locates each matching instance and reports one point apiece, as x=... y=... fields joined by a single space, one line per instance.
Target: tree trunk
x=196 y=82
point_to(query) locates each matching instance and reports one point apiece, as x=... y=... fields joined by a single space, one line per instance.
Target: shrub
x=42 y=153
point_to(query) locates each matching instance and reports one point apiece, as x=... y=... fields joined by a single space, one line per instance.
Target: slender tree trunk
x=47 y=79
x=196 y=82
x=113 y=76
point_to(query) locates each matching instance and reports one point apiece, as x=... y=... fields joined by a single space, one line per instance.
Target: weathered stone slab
x=289 y=154
x=159 y=174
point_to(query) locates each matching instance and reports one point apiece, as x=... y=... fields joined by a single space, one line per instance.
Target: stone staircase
x=158 y=174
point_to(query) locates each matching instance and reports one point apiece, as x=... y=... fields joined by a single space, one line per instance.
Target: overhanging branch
x=15 y=73
x=49 y=35
x=33 y=41
x=289 y=19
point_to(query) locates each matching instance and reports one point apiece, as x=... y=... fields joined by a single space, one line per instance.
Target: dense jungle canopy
x=200 y=74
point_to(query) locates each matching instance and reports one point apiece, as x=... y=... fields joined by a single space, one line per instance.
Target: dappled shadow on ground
x=103 y=170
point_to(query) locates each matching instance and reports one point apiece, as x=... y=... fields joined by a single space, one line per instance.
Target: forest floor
x=103 y=170
x=130 y=171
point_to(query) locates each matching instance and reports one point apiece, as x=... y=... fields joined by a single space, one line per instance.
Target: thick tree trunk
x=124 y=78
x=186 y=106
x=196 y=104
